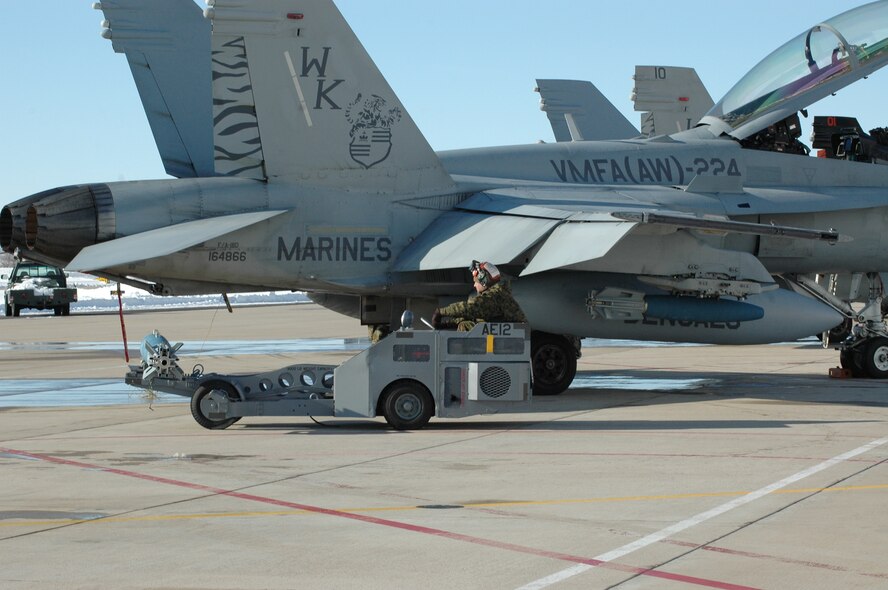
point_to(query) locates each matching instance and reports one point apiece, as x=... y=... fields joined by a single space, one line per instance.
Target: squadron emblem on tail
x=371 y=132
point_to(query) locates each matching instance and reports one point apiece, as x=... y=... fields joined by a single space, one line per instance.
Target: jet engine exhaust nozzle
x=56 y=224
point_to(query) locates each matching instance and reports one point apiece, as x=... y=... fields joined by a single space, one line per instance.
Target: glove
x=436 y=319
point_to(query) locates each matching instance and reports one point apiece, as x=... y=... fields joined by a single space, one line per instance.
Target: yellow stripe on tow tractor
x=489 y=343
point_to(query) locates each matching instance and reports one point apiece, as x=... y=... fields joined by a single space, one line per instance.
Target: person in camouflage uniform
x=492 y=303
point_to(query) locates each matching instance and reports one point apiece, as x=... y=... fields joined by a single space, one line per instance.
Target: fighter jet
x=670 y=98
x=322 y=182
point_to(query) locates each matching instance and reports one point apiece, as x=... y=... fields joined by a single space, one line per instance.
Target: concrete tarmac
x=759 y=471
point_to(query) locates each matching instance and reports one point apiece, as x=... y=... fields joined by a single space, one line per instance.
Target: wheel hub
x=880 y=358
x=408 y=407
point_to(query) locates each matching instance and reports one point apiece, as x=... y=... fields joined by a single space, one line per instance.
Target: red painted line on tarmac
x=764 y=556
x=386 y=522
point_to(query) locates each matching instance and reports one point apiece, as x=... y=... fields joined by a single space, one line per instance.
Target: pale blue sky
x=465 y=70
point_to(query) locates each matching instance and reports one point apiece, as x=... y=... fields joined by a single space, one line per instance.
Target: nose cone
x=54 y=225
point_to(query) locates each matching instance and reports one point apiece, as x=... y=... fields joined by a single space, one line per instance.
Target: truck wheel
x=201 y=413
x=553 y=361
x=875 y=359
x=408 y=406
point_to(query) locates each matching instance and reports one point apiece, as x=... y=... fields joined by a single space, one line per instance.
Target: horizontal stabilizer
x=163 y=241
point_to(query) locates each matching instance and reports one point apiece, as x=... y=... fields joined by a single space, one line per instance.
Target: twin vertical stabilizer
x=296 y=97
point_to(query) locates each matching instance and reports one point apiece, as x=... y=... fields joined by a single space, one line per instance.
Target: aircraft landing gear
x=865 y=353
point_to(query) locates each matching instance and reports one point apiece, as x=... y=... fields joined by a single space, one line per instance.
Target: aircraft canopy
x=827 y=57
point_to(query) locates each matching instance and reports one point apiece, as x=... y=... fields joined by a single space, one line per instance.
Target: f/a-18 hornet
x=319 y=180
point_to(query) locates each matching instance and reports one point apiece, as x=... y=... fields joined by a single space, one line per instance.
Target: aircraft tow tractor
x=407 y=377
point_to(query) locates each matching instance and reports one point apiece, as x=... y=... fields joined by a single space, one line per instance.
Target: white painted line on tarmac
x=700 y=518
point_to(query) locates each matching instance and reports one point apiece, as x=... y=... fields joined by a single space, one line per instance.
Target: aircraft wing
x=576 y=229
x=167 y=45
x=163 y=241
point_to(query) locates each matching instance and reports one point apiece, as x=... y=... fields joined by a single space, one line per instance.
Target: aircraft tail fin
x=675 y=99
x=175 y=92
x=578 y=111
x=296 y=96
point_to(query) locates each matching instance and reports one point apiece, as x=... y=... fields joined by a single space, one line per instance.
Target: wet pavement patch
x=48 y=515
x=36 y=393
x=637 y=383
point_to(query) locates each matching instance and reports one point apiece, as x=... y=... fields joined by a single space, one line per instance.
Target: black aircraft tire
x=407 y=405
x=204 y=390
x=852 y=359
x=57 y=310
x=875 y=359
x=553 y=361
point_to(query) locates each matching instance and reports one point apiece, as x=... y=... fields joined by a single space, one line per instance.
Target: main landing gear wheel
x=553 y=361
x=407 y=406
x=852 y=359
x=202 y=408
x=875 y=358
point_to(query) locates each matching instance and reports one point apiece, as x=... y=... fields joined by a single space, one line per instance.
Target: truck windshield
x=36 y=271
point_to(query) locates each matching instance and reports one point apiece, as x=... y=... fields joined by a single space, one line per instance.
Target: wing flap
x=163 y=241
x=456 y=238
x=572 y=243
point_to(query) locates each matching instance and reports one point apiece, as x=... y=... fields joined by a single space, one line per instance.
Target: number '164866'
x=228 y=256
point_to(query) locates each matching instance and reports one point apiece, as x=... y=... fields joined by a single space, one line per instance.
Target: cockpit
x=762 y=109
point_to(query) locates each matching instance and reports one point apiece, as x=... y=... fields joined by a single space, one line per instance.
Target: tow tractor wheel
x=553 y=361
x=407 y=405
x=875 y=359
x=201 y=409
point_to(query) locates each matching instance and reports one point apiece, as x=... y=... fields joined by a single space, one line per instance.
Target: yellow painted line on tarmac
x=256 y=514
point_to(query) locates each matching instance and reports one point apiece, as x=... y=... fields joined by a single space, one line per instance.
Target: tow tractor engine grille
x=495 y=382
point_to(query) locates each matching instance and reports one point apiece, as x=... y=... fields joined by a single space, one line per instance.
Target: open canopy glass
x=818 y=62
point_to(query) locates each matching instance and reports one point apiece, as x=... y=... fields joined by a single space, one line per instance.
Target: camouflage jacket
x=495 y=304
